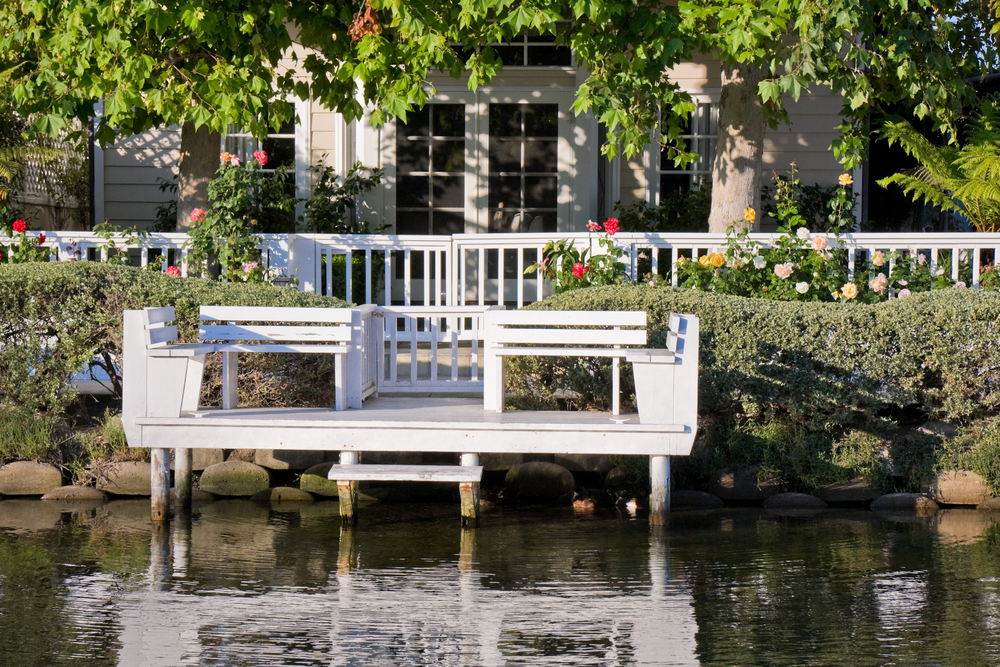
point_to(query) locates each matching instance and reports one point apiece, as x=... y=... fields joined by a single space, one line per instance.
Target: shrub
x=24 y=436
x=56 y=318
x=678 y=211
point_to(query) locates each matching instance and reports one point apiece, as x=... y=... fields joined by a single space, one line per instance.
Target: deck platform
x=418 y=424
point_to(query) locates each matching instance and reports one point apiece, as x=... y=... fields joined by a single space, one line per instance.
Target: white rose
x=802 y=233
x=759 y=262
x=802 y=287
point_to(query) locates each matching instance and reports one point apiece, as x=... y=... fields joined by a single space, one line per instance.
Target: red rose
x=41 y=238
x=173 y=271
x=611 y=226
x=579 y=270
x=261 y=157
x=20 y=226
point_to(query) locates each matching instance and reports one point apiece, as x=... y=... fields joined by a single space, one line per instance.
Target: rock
x=496 y=462
x=540 y=480
x=126 y=478
x=390 y=495
x=793 y=501
x=616 y=480
x=240 y=455
x=990 y=504
x=741 y=485
x=29 y=478
x=282 y=495
x=26 y=516
x=197 y=496
x=904 y=501
x=694 y=499
x=76 y=493
x=942 y=429
x=235 y=478
x=956 y=487
x=314 y=481
x=287 y=459
x=854 y=491
x=584 y=462
x=398 y=458
x=201 y=458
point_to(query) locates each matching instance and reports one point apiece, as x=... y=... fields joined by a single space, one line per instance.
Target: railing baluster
x=348 y=275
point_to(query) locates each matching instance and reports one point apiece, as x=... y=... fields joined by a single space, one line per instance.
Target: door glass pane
x=448 y=155
x=430 y=171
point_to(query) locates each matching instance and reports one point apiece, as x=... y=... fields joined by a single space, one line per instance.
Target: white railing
x=484 y=269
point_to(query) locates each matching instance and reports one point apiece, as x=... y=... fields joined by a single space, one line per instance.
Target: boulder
x=904 y=501
x=282 y=495
x=496 y=462
x=29 y=478
x=855 y=491
x=314 y=481
x=76 y=493
x=126 y=478
x=197 y=496
x=956 y=487
x=990 y=504
x=616 y=480
x=201 y=458
x=741 y=485
x=687 y=499
x=794 y=501
x=584 y=462
x=287 y=459
x=235 y=478
x=540 y=481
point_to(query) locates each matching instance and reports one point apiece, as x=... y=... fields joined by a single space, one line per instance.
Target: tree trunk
x=739 y=149
x=198 y=164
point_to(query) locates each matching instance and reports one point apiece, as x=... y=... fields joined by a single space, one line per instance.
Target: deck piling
x=659 y=500
x=469 y=495
x=160 y=484
x=183 y=461
x=348 y=492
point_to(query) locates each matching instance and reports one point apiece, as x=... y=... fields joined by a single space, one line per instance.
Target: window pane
x=505 y=192
x=448 y=155
x=541 y=156
x=674 y=182
x=280 y=153
x=449 y=191
x=449 y=120
x=448 y=222
x=412 y=222
x=417 y=122
x=541 y=120
x=505 y=155
x=540 y=221
x=505 y=120
x=510 y=56
x=411 y=154
x=412 y=191
x=540 y=191
x=549 y=56
x=288 y=127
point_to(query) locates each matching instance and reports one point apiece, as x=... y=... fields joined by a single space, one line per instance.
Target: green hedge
x=56 y=317
x=808 y=393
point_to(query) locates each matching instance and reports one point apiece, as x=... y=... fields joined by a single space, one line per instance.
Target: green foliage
x=26 y=436
x=963 y=179
x=245 y=202
x=166 y=213
x=25 y=247
x=678 y=211
x=117 y=241
x=571 y=268
x=331 y=208
x=57 y=318
x=824 y=209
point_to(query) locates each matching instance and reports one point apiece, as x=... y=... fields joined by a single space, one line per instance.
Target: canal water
x=241 y=584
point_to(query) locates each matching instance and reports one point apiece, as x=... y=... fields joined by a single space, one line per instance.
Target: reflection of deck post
x=183 y=458
x=159 y=473
x=469 y=494
x=182 y=544
x=345 y=551
x=659 y=479
x=348 y=492
x=159 y=555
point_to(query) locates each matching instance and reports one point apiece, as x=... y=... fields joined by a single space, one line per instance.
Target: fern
x=965 y=179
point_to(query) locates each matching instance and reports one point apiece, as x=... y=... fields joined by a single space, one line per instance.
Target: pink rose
x=921 y=258
x=197 y=215
x=235 y=162
x=261 y=157
x=960 y=284
x=593 y=226
x=903 y=293
x=819 y=243
x=173 y=271
x=579 y=270
x=611 y=226
x=783 y=271
x=20 y=226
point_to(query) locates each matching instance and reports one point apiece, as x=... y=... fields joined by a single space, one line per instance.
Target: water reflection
x=240 y=584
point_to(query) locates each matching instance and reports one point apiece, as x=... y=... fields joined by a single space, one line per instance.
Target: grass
x=26 y=436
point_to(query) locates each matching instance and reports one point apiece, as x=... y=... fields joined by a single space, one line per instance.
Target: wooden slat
x=561 y=351
x=285 y=348
x=160 y=335
x=274 y=332
x=405 y=473
x=275 y=314
x=624 y=318
x=158 y=315
x=570 y=336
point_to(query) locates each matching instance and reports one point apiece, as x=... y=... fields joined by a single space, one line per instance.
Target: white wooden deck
x=418 y=424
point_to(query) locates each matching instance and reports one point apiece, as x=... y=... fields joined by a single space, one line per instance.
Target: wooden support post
x=469 y=494
x=183 y=457
x=659 y=501
x=159 y=473
x=230 y=371
x=348 y=492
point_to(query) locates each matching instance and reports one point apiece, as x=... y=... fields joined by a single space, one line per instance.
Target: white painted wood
x=659 y=497
x=570 y=336
x=569 y=317
x=283 y=348
x=272 y=332
x=405 y=473
x=133 y=375
x=230 y=373
x=560 y=351
x=274 y=314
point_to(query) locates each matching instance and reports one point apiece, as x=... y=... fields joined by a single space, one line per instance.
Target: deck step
x=405 y=473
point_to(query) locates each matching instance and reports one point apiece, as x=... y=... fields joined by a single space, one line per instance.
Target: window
x=430 y=171
x=527 y=50
x=700 y=137
x=279 y=146
x=523 y=167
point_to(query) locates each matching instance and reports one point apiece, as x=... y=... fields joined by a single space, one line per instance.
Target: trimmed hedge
x=56 y=317
x=806 y=393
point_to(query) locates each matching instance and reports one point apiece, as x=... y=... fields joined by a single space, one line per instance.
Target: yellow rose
x=849 y=290
x=749 y=214
x=703 y=260
x=717 y=259
x=845 y=180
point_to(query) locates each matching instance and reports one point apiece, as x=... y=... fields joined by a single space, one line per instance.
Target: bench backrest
x=580 y=332
x=265 y=323
x=156 y=331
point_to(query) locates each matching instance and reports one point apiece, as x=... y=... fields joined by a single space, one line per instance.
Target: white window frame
x=652 y=167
